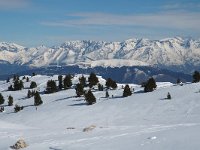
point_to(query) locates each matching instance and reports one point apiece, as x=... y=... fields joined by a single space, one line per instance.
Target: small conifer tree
x=37 y=99
x=107 y=94
x=21 y=84
x=33 y=85
x=111 y=83
x=60 y=82
x=150 y=85
x=93 y=80
x=17 y=108
x=127 y=91
x=10 y=100
x=114 y=85
x=79 y=89
x=23 y=78
x=82 y=80
x=67 y=81
x=29 y=94
x=27 y=79
x=169 y=96
x=2 y=100
x=100 y=87
x=108 y=83
x=51 y=86
x=90 y=98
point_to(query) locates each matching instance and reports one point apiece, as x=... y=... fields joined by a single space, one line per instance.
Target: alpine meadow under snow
x=142 y=121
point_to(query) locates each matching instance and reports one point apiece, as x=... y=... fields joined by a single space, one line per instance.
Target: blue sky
x=51 y=22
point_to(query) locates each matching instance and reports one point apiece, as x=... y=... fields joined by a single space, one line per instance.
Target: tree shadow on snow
x=116 y=97
x=78 y=100
x=4 y=105
x=79 y=104
x=10 y=113
x=62 y=99
x=164 y=99
x=28 y=106
x=139 y=92
x=52 y=148
x=24 y=98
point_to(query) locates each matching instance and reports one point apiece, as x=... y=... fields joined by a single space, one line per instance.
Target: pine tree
x=51 y=86
x=17 y=108
x=108 y=83
x=82 y=80
x=60 y=82
x=33 y=85
x=21 y=84
x=18 y=85
x=100 y=87
x=33 y=74
x=2 y=100
x=37 y=99
x=107 y=94
x=111 y=83
x=67 y=81
x=93 y=80
x=79 y=89
x=196 y=77
x=27 y=79
x=90 y=98
x=114 y=85
x=29 y=94
x=23 y=78
x=10 y=100
x=127 y=91
x=150 y=85
x=169 y=96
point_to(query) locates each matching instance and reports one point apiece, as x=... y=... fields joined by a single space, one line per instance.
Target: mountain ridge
x=174 y=52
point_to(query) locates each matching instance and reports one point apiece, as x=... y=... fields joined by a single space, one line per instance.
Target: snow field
x=142 y=121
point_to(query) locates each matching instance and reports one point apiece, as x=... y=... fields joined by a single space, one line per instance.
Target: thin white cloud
x=181 y=6
x=175 y=20
x=10 y=4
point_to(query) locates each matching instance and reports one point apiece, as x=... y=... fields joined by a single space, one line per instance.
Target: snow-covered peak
x=167 y=52
x=4 y=46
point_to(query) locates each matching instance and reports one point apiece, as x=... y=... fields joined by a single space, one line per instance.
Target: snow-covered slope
x=143 y=121
x=166 y=53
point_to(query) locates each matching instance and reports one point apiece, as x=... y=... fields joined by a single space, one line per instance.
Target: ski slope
x=143 y=121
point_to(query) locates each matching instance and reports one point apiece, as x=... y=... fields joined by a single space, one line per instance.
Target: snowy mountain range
x=170 y=53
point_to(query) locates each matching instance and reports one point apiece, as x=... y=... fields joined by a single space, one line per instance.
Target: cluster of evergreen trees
x=10 y=100
x=66 y=83
x=17 y=84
